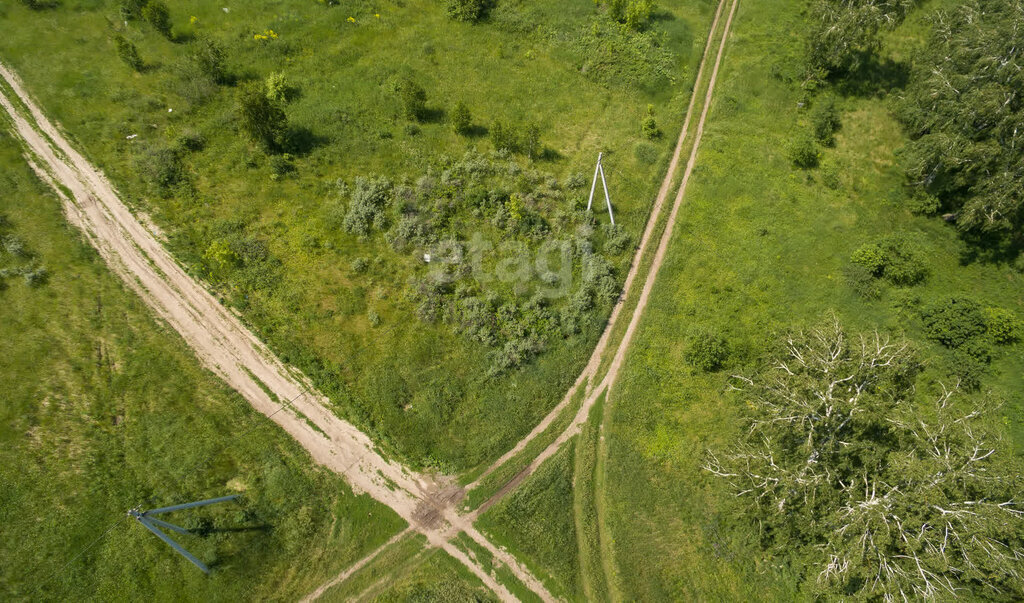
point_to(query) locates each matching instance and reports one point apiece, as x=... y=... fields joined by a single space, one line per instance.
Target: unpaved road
x=593 y=392
x=230 y=350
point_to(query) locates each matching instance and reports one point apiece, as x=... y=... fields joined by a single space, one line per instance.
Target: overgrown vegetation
x=880 y=494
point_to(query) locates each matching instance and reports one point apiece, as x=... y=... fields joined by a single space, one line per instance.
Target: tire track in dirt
x=225 y=346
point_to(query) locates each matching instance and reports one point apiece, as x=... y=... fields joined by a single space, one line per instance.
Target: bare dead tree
x=899 y=500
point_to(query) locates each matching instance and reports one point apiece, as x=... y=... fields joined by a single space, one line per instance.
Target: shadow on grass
x=875 y=78
x=301 y=141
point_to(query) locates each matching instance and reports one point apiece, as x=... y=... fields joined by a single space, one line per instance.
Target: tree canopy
x=964 y=111
x=883 y=496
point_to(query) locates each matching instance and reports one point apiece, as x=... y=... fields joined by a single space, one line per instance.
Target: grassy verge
x=105 y=409
x=506 y=472
x=503 y=574
x=536 y=524
x=593 y=577
x=762 y=247
x=402 y=556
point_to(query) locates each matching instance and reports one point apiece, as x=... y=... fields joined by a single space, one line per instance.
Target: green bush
x=359 y=265
x=1003 y=325
x=803 y=152
x=923 y=204
x=277 y=87
x=190 y=139
x=469 y=11
x=367 y=205
x=156 y=13
x=414 y=99
x=706 y=350
x=825 y=121
x=128 y=52
x=462 y=121
x=954 y=321
x=160 y=166
x=262 y=119
x=895 y=258
x=208 y=58
x=650 y=128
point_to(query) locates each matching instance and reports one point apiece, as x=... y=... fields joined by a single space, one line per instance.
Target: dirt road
x=230 y=350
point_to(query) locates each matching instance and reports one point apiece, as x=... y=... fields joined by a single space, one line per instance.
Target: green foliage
x=825 y=120
x=954 y=321
x=706 y=350
x=639 y=13
x=128 y=52
x=156 y=14
x=469 y=11
x=413 y=98
x=1003 y=326
x=525 y=141
x=367 y=207
x=838 y=453
x=896 y=258
x=209 y=58
x=281 y=165
x=263 y=120
x=277 y=87
x=846 y=34
x=649 y=126
x=462 y=121
x=962 y=112
x=160 y=165
x=803 y=152
x=131 y=9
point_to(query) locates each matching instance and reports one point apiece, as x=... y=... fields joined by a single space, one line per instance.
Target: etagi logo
x=548 y=269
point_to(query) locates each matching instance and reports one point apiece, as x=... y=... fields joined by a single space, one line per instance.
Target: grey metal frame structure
x=152 y=524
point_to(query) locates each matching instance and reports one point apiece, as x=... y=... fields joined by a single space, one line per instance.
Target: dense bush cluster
x=469 y=11
x=846 y=34
x=896 y=258
x=706 y=350
x=522 y=272
x=969 y=330
x=963 y=110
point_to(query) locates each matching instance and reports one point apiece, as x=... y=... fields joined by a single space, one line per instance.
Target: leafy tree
x=895 y=258
x=262 y=119
x=617 y=10
x=503 y=136
x=825 y=120
x=963 y=111
x=884 y=497
x=469 y=11
x=1003 y=325
x=638 y=14
x=462 y=121
x=649 y=126
x=128 y=52
x=845 y=34
x=156 y=13
x=414 y=99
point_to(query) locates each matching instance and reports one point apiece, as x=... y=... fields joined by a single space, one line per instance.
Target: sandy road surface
x=230 y=350
x=593 y=392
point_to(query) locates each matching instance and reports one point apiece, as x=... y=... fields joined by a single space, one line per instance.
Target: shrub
x=191 y=139
x=128 y=52
x=825 y=121
x=156 y=13
x=13 y=245
x=414 y=99
x=36 y=277
x=469 y=11
x=262 y=119
x=367 y=205
x=374 y=318
x=160 y=166
x=954 y=321
x=131 y=9
x=208 y=57
x=503 y=136
x=803 y=152
x=895 y=258
x=650 y=127
x=462 y=121
x=277 y=87
x=706 y=350
x=923 y=204
x=281 y=165
x=359 y=265
x=638 y=14
x=1003 y=325
x=862 y=281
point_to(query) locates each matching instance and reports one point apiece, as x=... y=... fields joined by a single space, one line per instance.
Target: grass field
x=762 y=247
x=104 y=409
x=263 y=228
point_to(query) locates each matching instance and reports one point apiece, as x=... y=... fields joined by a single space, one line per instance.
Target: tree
x=963 y=110
x=414 y=99
x=128 y=52
x=886 y=497
x=462 y=121
x=262 y=119
x=845 y=34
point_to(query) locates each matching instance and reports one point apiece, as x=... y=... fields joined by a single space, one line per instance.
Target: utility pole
x=599 y=170
x=151 y=523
